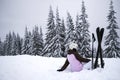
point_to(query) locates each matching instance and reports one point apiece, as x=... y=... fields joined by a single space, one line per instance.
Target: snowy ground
x=42 y=68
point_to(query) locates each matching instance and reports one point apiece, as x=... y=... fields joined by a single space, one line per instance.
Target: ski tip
x=97 y=29
x=93 y=37
x=102 y=29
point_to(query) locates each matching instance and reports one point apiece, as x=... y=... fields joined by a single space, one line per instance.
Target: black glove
x=59 y=70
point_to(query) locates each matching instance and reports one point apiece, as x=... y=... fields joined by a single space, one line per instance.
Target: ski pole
x=93 y=40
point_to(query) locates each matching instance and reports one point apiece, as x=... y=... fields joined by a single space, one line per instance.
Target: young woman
x=74 y=60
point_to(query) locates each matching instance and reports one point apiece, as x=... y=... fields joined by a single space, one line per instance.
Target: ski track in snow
x=43 y=68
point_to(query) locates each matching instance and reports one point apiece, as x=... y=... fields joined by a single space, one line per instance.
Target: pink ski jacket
x=74 y=63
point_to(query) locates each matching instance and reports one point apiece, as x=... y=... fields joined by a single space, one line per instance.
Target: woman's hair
x=72 y=51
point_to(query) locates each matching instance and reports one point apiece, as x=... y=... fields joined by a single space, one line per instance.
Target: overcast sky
x=16 y=14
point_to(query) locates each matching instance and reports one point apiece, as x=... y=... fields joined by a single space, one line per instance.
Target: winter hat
x=73 y=45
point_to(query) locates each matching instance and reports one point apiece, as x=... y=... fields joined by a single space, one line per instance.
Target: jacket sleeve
x=81 y=59
x=64 y=66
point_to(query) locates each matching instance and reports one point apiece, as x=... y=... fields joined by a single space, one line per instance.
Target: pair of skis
x=99 y=33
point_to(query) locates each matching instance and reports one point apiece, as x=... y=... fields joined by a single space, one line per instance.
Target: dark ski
x=99 y=33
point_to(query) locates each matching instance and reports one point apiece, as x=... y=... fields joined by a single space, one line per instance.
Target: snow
x=43 y=68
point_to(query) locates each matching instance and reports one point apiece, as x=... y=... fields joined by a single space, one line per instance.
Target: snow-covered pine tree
x=58 y=38
x=5 y=45
x=41 y=41
x=26 y=47
x=1 y=48
x=14 y=45
x=111 y=40
x=70 y=33
x=37 y=41
x=30 y=43
x=18 y=44
x=48 y=48
x=8 y=44
x=86 y=50
x=63 y=35
x=78 y=30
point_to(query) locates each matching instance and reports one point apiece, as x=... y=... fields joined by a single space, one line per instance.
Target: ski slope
x=42 y=68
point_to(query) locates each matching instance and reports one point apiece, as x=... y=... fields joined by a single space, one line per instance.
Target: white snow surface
x=43 y=68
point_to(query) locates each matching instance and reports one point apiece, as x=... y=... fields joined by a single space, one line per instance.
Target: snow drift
x=44 y=68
